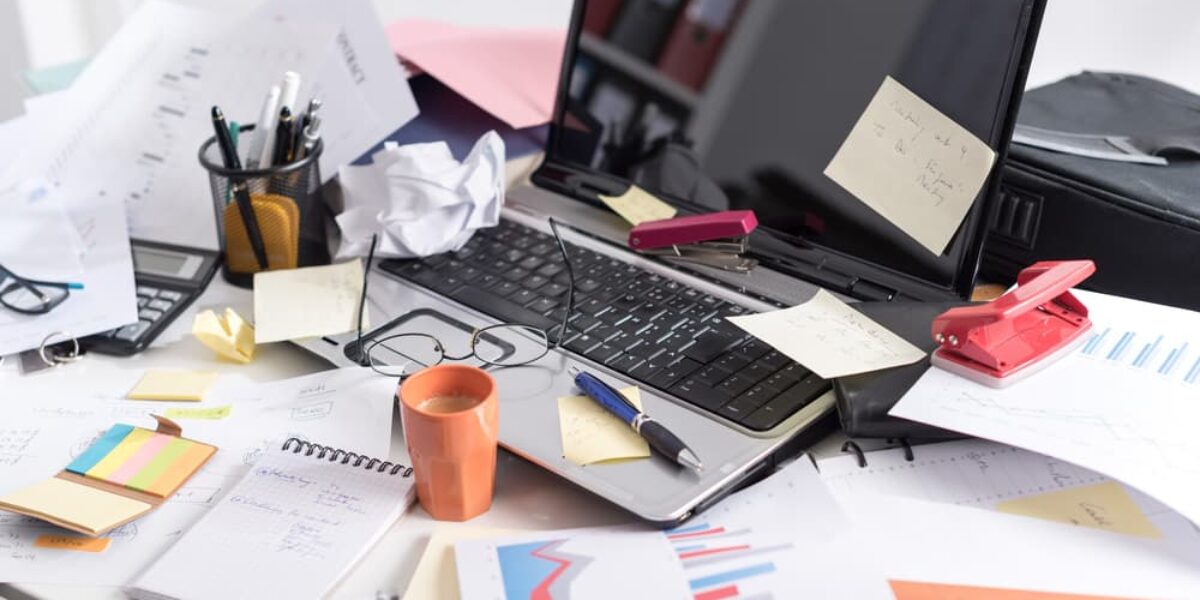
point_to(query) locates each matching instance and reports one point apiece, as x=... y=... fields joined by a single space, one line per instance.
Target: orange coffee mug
x=451 y=418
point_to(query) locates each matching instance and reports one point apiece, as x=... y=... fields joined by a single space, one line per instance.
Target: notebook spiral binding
x=861 y=457
x=297 y=445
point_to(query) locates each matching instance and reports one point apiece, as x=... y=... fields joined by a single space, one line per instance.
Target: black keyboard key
x=534 y=282
x=603 y=353
x=647 y=369
x=523 y=297
x=514 y=256
x=679 y=305
x=515 y=274
x=756 y=372
x=588 y=285
x=775 y=360
x=613 y=316
x=732 y=362
x=505 y=289
x=626 y=363
x=658 y=295
x=672 y=373
x=739 y=408
x=604 y=332
x=754 y=349
x=699 y=394
x=542 y=305
x=626 y=302
x=786 y=404
x=735 y=385
x=553 y=290
x=502 y=309
x=531 y=262
x=591 y=306
x=649 y=311
x=582 y=323
x=582 y=343
x=647 y=350
x=710 y=376
x=551 y=269
x=709 y=346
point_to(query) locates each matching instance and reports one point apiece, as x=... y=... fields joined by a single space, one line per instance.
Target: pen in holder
x=284 y=201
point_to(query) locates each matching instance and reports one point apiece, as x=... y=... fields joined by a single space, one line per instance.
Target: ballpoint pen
x=283 y=137
x=245 y=207
x=659 y=438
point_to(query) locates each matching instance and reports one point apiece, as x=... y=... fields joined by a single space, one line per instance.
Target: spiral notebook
x=291 y=528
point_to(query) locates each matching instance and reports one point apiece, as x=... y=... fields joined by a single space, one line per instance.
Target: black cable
x=562 y=247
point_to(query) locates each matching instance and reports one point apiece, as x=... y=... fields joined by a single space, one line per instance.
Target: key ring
x=51 y=357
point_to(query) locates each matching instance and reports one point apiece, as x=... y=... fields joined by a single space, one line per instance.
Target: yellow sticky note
x=212 y=413
x=229 y=335
x=436 y=576
x=74 y=505
x=638 y=206
x=164 y=384
x=591 y=434
x=1104 y=506
x=913 y=165
x=313 y=301
x=72 y=542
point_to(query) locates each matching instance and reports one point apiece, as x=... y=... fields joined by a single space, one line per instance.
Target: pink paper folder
x=510 y=73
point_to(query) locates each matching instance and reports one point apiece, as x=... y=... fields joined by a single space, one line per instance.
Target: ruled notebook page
x=291 y=528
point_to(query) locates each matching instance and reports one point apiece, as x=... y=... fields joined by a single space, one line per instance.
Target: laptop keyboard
x=653 y=329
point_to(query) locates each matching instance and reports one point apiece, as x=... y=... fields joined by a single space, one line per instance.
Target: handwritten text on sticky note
x=591 y=434
x=913 y=165
x=1104 y=506
x=829 y=337
x=72 y=542
x=639 y=206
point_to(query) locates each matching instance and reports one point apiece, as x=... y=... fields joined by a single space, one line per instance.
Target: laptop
x=752 y=124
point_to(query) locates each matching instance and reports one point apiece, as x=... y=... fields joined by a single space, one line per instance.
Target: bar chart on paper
x=725 y=562
x=1161 y=354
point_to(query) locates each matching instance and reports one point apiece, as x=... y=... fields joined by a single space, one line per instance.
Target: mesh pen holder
x=287 y=204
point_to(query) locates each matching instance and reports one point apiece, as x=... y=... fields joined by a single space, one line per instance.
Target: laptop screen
x=743 y=104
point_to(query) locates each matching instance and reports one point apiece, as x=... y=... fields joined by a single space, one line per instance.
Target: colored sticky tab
x=591 y=434
x=71 y=542
x=126 y=449
x=78 y=506
x=158 y=465
x=162 y=384
x=229 y=335
x=99 y=449
x=1104 y=506
x=140 y=458
x=180 y=469
x=920 y=590
x=638 y=206
x=212 y=413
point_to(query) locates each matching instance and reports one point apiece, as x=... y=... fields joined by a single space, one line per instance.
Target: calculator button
x=130 y=333
x=146 y=291
x=162 y=305
x=149 y=314
x=143 y=301
x=170 y=295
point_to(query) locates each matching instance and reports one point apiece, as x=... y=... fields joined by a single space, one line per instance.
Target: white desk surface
x=526 y=497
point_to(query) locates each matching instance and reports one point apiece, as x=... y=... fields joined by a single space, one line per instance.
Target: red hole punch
x=1019 y=333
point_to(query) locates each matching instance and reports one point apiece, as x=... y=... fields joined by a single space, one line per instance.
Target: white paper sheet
x=913 y=165
x=830 y=338
x=1123 y=404
x=755 y=539
x=38 y=239
x=307 y=302
x=934 y=542
x=43 y=427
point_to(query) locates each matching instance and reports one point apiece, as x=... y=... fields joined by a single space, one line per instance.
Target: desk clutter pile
x=1071 y=475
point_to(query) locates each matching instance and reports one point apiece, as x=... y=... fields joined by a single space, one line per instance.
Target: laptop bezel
x=585 y=182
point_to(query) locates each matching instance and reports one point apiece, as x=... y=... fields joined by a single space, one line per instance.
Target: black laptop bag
x=1139 y=223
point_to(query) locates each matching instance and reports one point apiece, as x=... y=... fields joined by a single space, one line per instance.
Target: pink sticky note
x=511 y=73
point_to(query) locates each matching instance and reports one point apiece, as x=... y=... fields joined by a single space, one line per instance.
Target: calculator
x=169 y=278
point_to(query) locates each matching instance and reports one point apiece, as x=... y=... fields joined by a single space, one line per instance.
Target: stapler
x=715 y=239
x=1019 y=333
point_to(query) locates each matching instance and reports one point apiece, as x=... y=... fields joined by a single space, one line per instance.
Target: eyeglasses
x=32 y=296
x=502 y=345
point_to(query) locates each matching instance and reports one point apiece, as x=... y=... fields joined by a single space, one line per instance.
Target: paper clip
x=715 y=239
x=1019 y=333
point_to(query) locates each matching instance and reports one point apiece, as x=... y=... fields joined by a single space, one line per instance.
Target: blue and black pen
x=659 y=438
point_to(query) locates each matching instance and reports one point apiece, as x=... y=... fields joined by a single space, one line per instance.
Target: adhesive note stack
x=123 y=475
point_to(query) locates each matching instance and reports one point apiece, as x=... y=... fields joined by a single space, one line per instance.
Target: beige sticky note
x=913 y=165
x=211 y=413
x=69 y=503
x=591 y=434
x=436 y=576
x=639 y=206
x=170 y=384
x=72 y=542
x=312 y=301
x=227 y=334
x=830 y=338
x=1104 y=506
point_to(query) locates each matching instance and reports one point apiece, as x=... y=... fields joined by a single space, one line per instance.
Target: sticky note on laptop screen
x=141 y=460
x=913 y=165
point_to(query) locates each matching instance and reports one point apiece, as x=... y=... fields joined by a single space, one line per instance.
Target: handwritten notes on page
x=639 y=206
x=173 y=384
x=913 y=165
x=307 y=302
x=591 y=434
x=827 y=336
x=290 y=529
